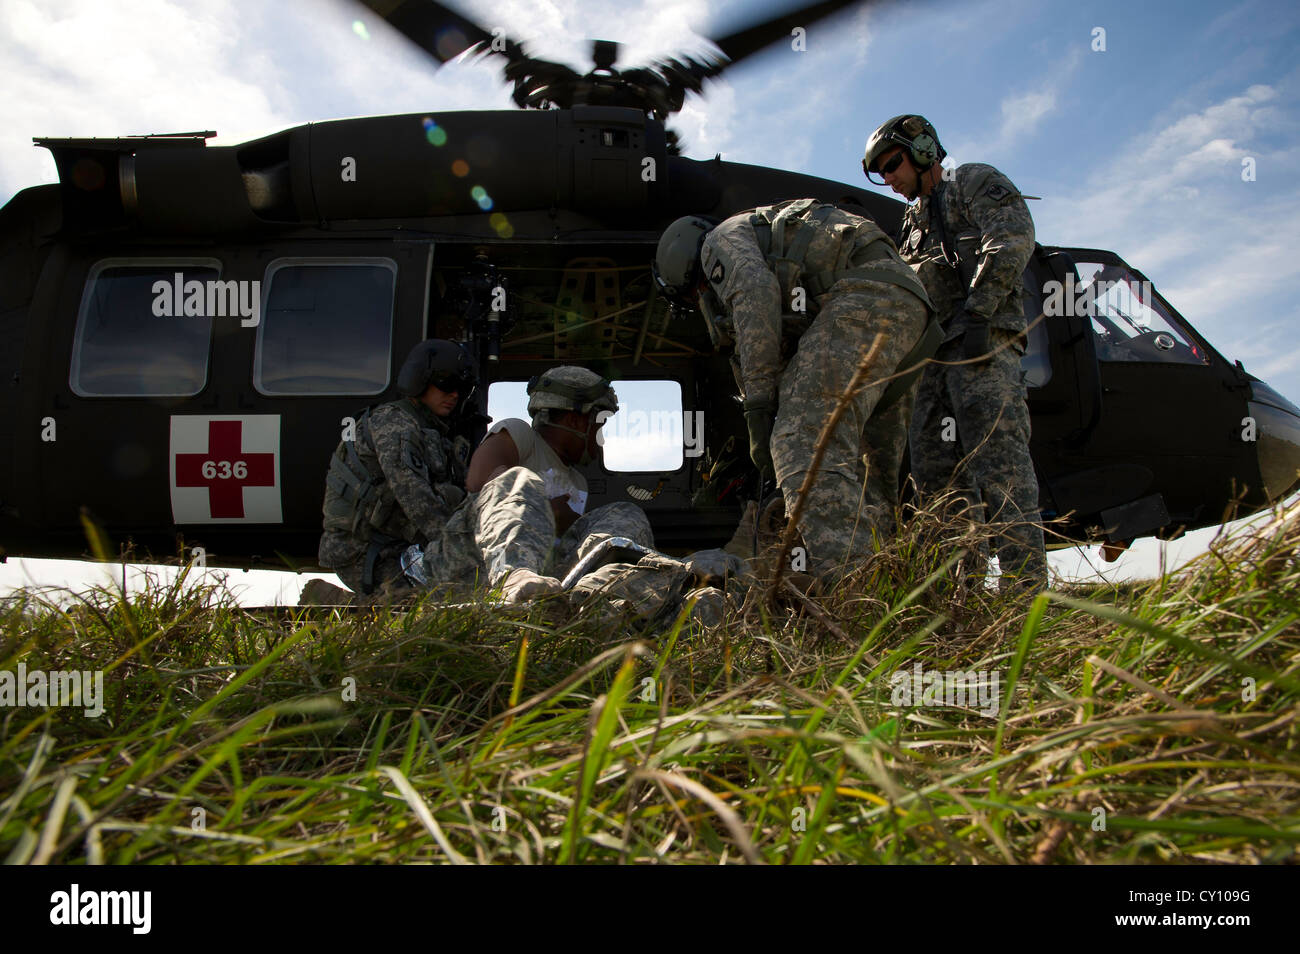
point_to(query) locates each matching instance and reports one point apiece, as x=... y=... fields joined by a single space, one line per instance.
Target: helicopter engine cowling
x=595 y=159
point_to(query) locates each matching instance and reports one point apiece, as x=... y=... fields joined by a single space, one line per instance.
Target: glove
x=975 y=343
x=758 y=419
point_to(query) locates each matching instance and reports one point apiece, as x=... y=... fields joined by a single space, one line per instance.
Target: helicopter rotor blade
x=439 y=30
x=659 y=88
x=748 y=40
x=444 y=33
x=686 y=74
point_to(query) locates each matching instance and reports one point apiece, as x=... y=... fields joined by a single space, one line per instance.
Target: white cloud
x=1172 y=202
x=1021 y=115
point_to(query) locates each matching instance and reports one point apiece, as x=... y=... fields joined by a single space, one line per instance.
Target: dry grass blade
x=422 y=812
x=719 y=807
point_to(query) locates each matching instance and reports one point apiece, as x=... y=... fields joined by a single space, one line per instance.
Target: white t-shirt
x=539 y=457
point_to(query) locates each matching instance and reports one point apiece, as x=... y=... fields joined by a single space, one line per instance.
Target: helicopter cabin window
x=326 y=328
x=126 y=345
x=1129 y=322
x=648 y=434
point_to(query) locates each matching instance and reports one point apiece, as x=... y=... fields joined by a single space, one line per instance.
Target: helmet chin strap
x=586 y=457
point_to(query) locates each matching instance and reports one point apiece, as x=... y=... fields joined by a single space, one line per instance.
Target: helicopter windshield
x=1130 y=323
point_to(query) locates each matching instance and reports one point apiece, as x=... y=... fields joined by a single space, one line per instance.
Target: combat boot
x=522 y=585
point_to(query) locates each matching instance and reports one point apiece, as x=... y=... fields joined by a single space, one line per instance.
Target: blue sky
x=1138 y=148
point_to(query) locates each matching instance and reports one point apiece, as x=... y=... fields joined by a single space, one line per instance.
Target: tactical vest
x=357 y=498
x=852 y=259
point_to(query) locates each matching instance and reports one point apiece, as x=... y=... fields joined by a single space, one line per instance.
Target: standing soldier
x=398 y=479
x=839 y=281
x=969 y=240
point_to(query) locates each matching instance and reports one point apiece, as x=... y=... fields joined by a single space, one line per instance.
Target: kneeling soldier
x=399 y=481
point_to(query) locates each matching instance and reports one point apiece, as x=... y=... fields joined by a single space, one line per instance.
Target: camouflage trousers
x=846 y=506
x=657 y=586
x=970 y=433
x=509 y=525
x=386 y=575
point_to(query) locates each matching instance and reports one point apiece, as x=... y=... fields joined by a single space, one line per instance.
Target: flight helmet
x=444 y=364
x=677 y=260
x=912 y=132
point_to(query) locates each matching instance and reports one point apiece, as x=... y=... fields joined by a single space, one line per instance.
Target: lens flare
x=449 y=42
x=460 y=168
x=360 y=30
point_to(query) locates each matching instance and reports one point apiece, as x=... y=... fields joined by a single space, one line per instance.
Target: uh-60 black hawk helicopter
x=363 y=237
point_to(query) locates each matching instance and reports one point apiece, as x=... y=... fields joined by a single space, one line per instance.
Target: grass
x=1146 y=723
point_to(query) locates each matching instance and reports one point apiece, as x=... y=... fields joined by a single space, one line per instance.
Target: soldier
x=839 y=281
x=969 y=237
x=400 y=477
x=525 y=488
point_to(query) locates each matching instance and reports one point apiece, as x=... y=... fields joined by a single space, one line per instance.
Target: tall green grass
x=1153 y=722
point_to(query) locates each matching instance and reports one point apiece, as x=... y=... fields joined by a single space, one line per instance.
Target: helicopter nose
x=1277 y=434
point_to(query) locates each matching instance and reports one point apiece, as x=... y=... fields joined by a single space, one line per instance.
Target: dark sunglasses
x=453 y=385
x=893 y=163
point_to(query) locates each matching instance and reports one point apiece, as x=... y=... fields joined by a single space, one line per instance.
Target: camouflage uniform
x=754 y=283
x=509 y=524
x=657 y=586
x=418 y=473
x=986 y=225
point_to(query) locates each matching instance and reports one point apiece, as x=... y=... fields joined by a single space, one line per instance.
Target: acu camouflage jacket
x=411 y=478
x=969 y=241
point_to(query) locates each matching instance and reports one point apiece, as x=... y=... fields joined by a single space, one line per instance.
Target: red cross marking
x=225 y=494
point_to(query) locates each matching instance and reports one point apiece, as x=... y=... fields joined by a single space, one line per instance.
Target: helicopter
x=190 y=328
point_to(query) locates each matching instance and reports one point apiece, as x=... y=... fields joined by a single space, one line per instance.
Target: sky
x=1168 y=132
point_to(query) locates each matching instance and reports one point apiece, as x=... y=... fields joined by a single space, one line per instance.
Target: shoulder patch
x=997 y=192
x=414 y=460
x=717 y=274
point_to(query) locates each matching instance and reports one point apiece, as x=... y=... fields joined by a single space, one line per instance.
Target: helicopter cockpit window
x=128 y=342
x=1130 y=323
x=326 y=328
x=648 y=434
